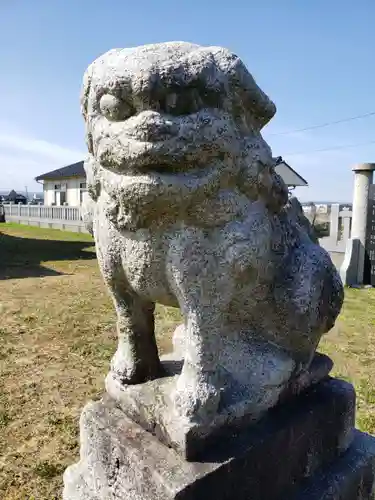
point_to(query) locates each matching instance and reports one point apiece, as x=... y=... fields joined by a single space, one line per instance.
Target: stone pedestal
x=244 y=401
x=304 y=448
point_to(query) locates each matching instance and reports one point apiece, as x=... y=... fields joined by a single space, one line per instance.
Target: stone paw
x=197 y=398
x=131 y=373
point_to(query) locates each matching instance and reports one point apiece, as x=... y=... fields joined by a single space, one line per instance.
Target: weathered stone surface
x=151 y=405
x=267 y=461
x=349 y=267
x=351 y=477
x=302 y=220
x=187 y=210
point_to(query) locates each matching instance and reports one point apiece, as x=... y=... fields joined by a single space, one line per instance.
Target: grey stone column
x=363 y=176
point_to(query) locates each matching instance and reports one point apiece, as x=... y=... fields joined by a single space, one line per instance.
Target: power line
x=326 y=124
x=333 y=148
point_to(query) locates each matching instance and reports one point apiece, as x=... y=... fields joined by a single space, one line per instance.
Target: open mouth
x=163 y=164
x=177 y=155
x=155 y=181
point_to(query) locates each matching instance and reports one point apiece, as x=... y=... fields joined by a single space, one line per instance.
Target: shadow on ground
x=22 y=257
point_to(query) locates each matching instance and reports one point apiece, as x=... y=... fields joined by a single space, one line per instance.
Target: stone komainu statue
x=187 y=210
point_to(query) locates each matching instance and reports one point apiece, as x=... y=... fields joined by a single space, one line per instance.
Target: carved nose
x=151 y=126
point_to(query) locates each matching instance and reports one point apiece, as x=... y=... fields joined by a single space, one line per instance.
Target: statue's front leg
x=198 y=390
x=136 y=359
x=198 y=283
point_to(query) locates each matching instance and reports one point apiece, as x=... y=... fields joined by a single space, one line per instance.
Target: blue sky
x=315 y=59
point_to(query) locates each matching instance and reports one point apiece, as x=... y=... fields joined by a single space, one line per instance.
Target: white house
x=67 y=185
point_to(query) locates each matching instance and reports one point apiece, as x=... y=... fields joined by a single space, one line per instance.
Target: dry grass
x=57 y=334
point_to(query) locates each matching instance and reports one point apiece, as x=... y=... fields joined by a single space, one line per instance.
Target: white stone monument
x=352 y=269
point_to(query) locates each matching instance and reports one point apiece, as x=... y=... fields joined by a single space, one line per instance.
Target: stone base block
x=350 y=477
x=151 y=404
x=272 y=459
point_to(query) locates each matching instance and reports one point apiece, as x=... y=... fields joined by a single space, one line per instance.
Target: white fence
x=69 y=218
x=64 y=217
x=340 y=225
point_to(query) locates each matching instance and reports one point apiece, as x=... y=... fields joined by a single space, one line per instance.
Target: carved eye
x=187 y=102
x=114 y=108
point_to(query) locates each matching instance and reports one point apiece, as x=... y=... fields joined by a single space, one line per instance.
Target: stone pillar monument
x=187 y=210
x=363 y=177
x=352 y=269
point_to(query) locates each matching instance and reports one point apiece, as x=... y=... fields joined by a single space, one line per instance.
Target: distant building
x=14 y=197
x=67 y=185
x=308 y=207
x=37 y=200
x=322 y=208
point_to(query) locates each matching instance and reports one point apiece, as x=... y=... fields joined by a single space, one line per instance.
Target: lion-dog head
x=169 y=126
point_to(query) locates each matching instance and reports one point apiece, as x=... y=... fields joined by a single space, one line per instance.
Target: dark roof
x=292 y=173
x=14 y=196
x=74 y=170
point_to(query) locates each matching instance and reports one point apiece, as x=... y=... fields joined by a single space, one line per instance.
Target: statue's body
x=187 y=210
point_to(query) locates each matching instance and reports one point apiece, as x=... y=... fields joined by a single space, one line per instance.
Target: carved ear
x=247 y=95
x=279 y=193
x=85 y=91
x=248 y=179
x=92 y=176
x=85 y=94
x=272 y=189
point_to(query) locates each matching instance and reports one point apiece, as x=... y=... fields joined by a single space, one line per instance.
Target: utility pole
x=27 y=194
